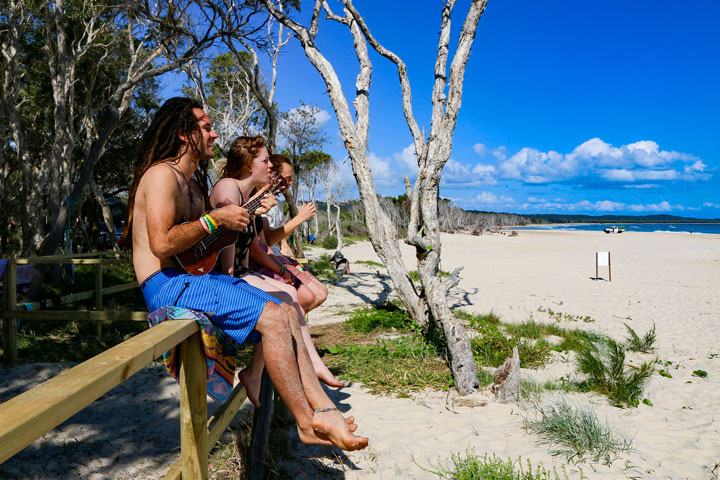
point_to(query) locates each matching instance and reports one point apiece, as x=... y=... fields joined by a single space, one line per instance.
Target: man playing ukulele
x=165 y=217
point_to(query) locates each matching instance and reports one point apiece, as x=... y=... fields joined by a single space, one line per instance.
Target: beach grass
x=576 y=433
x=471 y=466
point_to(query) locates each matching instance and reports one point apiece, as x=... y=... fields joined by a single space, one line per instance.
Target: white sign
x=603 y=259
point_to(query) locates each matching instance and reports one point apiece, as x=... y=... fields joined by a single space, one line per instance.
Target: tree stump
x=507 y=380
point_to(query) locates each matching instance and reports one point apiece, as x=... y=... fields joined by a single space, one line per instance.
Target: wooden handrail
x=54 y=258
x=30 y=415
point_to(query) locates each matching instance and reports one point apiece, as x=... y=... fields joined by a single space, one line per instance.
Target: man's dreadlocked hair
x=161 y=144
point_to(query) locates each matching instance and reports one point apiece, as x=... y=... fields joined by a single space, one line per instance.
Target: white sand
x=670 y=280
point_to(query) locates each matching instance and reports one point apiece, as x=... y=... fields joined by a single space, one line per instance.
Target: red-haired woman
x=248 y=169
x=276 y=231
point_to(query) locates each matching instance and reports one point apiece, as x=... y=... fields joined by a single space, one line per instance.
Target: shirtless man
x=167 y=198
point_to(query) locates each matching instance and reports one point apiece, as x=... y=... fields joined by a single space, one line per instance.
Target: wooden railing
x=11 y=310
x=35 y=412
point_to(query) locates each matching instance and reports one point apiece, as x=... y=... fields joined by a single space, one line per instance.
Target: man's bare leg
x=327 y=423
x=251 y=375
x=290 y=369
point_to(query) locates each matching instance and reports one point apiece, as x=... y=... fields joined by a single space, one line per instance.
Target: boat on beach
x=614 y=230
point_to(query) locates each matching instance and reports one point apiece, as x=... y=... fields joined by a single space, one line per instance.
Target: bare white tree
x=432 y=153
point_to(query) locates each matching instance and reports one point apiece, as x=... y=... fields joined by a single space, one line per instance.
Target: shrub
x=644 y=344
x=604 y=364
x=330 y=242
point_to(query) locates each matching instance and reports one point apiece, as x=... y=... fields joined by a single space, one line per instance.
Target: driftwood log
x=507 y=380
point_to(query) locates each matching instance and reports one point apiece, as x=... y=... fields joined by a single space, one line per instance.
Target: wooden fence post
x=260 y=430
x=99 y=297
x=10 y=304
x=193 y=409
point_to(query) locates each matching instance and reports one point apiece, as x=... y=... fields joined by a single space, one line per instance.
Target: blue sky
x=569 y=106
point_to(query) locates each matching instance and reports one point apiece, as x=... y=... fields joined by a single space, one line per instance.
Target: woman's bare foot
x=325 y=375
x=252 y=386
x=331 y=425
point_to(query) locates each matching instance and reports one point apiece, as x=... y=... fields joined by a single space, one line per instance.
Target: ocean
x=707 y=228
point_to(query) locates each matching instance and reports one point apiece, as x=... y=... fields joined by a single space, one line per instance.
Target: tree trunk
x=338 y=229
x=106 y=213
x=383 y=235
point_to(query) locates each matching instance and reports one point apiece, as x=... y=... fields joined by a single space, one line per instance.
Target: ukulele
x=201 y=257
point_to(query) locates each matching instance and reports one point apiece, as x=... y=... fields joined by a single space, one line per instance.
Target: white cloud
x=500 y=153
x=605 y=206
x=596 y=161
x=489 y=198
x=484 y=174
x=711 y=205
x=480 y=149
x=408 y=158
x=382 y=171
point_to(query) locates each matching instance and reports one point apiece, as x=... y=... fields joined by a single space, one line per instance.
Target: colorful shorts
x=231 y=303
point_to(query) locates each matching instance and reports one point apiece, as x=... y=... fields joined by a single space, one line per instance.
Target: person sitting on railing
x=167 y=198
x=246 y=170
x=276 y=231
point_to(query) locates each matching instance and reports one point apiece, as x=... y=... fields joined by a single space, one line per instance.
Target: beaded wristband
x=322 y=410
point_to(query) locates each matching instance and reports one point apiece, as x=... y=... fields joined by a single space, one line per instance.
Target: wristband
x=209 y=222
x=282 y=268
x=204 y=225
x=212 y=220
x=300 y=269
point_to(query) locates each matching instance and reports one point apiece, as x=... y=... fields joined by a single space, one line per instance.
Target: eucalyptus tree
x=224 y=89
x=432 y=154
x=302 y=132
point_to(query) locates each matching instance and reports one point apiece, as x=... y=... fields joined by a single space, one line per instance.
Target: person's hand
x=307 y=211
x=268 y=202
x=288 y=277
x=231 y=217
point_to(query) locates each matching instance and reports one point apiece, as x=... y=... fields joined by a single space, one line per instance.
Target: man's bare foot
x=252 y=386
x=331 y=425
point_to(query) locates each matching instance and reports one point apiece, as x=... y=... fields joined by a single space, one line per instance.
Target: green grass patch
x=471 y=466
x=371 y=319
x=572 y=339
x=492 y=347
x=398 y=366
x=474 y=320
x=70 y=341
x=576 y=433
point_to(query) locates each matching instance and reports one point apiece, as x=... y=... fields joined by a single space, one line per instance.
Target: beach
x=668 y=280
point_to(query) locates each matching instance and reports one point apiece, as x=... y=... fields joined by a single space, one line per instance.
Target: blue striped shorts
x=232 y=304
